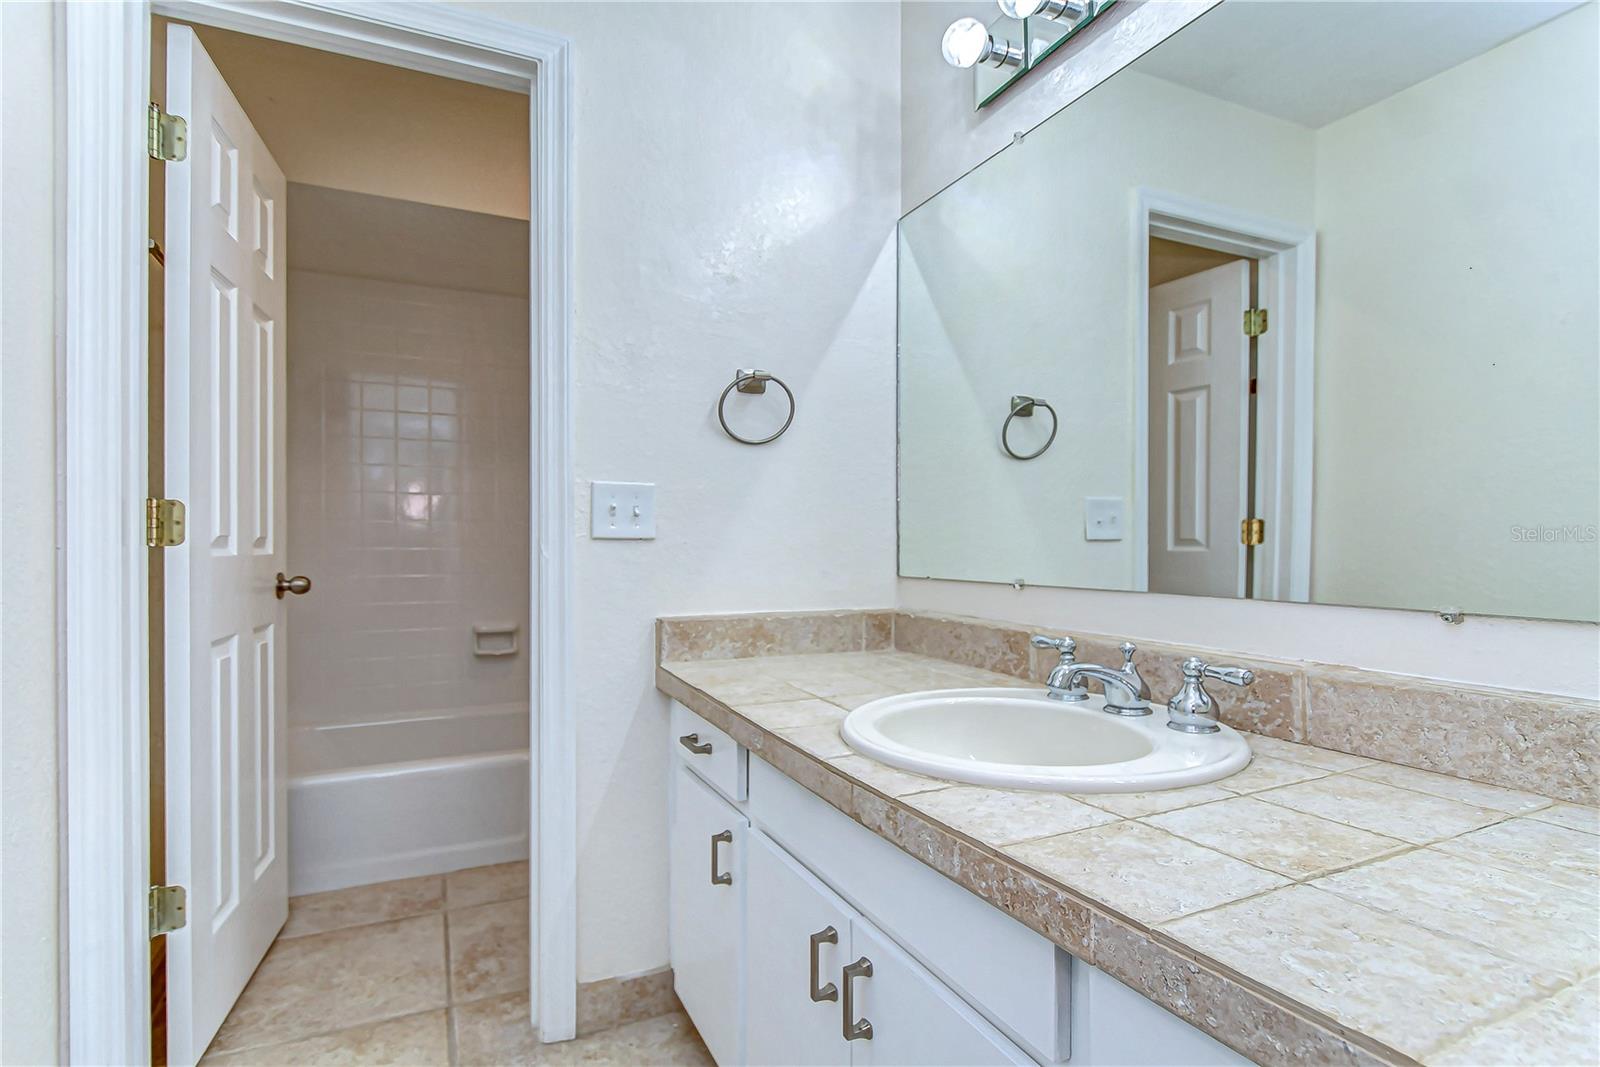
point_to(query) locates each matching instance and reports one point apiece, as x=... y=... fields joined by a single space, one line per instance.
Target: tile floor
x=430 y=970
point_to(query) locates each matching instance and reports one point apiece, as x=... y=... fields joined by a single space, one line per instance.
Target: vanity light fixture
x=968 y=42
x=1054 y=10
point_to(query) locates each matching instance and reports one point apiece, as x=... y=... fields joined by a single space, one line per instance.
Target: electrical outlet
x=1102 y=518
x=622 y=511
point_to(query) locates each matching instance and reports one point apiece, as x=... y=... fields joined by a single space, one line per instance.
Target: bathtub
x=423 y=794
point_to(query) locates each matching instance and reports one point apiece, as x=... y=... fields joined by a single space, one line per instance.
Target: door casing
x=1285 y=376
x=102 y=562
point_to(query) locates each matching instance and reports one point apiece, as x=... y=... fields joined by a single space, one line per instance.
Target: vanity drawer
x=710 y=753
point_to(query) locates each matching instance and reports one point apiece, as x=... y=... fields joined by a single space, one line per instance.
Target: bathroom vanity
x=1322 y=905
x=801 y=937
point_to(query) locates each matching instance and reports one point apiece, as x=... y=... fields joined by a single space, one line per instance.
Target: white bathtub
x=419 y=795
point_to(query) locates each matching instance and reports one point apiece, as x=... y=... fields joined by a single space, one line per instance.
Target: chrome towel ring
x=753 y=381
x=1022 y=408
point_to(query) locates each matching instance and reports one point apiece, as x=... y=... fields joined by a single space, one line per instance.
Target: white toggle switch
x=622 y=510
x=1102 y=518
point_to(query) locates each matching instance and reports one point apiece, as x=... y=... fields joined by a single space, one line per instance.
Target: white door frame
x=102 y=565
x=1285 y=376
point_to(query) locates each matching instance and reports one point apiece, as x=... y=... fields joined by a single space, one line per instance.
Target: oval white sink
x=1021 y=739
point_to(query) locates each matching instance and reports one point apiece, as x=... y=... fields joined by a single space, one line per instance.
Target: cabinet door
x=707 y=913
x=915 y=1018
x=799 y=938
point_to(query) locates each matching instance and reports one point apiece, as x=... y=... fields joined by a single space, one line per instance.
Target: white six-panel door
x=1199 y=372
x=225 y=670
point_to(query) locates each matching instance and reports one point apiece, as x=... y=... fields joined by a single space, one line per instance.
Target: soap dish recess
x=494 y=639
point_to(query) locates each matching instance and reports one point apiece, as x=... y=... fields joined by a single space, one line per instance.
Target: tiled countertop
x=1316 y=907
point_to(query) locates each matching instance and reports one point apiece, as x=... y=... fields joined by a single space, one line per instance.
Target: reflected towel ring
x=1022 y=408
x=754 y=381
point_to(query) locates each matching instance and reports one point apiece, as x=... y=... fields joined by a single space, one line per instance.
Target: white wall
x=737 y=188
x=1468 y=291
x=408 y=466
x=941 y=142
x=1018 y=279
x=29 y=972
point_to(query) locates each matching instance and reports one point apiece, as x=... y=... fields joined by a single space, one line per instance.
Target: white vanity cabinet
x=793 y=926
x=707 y=927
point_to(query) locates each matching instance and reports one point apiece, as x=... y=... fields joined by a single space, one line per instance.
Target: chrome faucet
x=1192 y=710
x=1058 y=688
x=1126 y=691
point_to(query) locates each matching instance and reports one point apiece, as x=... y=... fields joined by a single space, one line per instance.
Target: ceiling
x=343 y=123
x=1315 y=61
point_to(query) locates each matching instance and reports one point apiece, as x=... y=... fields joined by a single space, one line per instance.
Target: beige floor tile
x=325 y=982
x=668 y=1041
x=823 y=742
x=1004 y=817
x=1280 y=839
x=488 y=949
x=485 y=885
x=1383 y=809
x=791 y=714
x=1310 y=755
x=1560 y=1030
x=413 y=1041
x=1145 y=873
x=1572 y=816
x=495 y=1031
x=1563 y=855
x=1133 y=805
x=1264 y=772
x=1494 y=797
x=317 y=913
x=1362 y=967
x=883 y=778
x=1518 y=915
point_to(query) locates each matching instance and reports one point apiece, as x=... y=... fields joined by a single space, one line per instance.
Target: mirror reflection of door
x=1200 y=419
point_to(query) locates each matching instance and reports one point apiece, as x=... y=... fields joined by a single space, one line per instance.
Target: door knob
x=299 y=585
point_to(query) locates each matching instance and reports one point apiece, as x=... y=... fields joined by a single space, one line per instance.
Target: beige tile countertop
x=1316 y=907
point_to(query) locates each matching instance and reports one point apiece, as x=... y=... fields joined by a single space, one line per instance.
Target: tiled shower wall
x=408 y=495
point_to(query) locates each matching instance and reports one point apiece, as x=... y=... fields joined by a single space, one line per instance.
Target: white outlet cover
x=623 y=511
x=1102 y=518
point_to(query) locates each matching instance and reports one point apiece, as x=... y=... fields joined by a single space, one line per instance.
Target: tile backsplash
x=408 y=495
x=1532 y=741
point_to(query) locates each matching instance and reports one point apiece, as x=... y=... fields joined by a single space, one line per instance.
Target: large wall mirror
x=1302 y=305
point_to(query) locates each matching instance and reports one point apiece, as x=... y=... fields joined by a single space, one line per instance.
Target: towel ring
x=753 y=381
x=1022 y=408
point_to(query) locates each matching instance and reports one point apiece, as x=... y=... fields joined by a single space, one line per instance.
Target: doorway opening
x=340 y=393
x=1224 y=373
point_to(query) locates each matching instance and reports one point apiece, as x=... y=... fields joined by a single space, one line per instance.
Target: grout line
x=449 y=991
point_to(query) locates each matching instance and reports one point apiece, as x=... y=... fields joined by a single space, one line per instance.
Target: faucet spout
x=1121 y=696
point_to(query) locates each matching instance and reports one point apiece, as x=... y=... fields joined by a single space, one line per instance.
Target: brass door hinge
x=1252 y=532
x=163 y=523
x=168 y=909
x=1255 y=322
x=166 y=136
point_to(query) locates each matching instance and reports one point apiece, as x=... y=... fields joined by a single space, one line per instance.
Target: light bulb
x=966 y=43
x=1019 y=9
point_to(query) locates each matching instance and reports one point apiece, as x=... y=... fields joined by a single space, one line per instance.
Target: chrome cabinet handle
x=692 y=743
x=724 y=838
x=825 y=936
x=299 y=585
x=860 y=1029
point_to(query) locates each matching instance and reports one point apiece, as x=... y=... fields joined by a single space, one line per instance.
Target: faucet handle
x=1136 y=680
x=1198 y=668
x=1064 y=645
x=1128 y=648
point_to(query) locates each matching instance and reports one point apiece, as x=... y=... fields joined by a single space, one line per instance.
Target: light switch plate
x=622 y=511
x=1102 y=518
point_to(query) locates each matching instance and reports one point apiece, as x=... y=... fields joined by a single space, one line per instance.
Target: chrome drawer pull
x=826 y=936
x=724 y=838
x=692 y=743
x=861 y=1030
